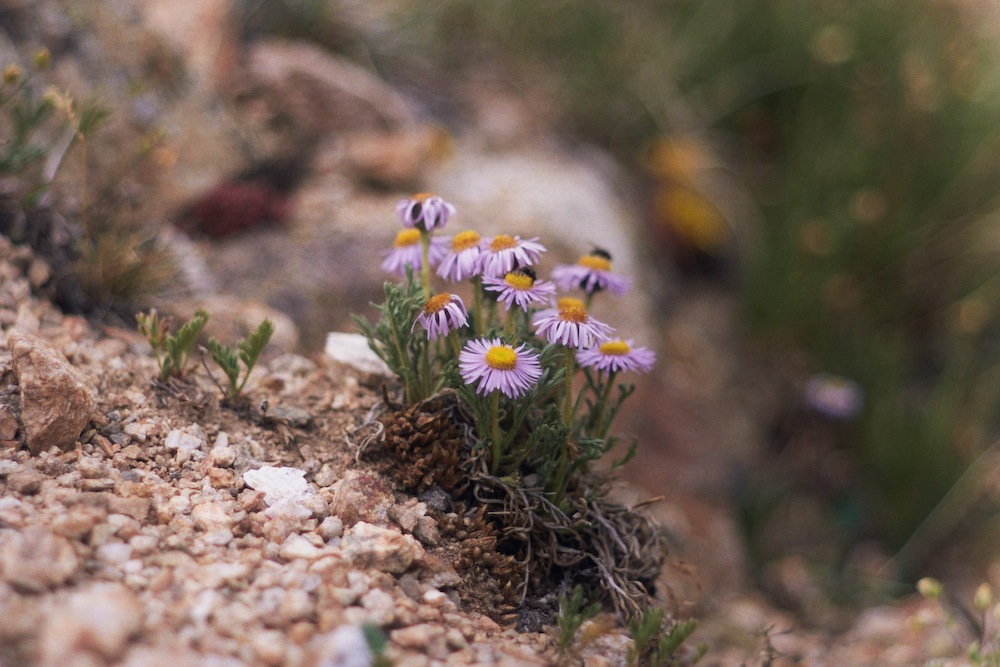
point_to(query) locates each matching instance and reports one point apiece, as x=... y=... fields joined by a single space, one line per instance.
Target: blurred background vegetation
x=848 y=153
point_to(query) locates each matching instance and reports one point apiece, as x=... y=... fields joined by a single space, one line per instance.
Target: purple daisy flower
x=520 y=286
x=570 y=325
x=441 y=314
x=424 y=211
x=618 y=355
x=503 y=252
x=591 y=274
x=496 y=365
x=405 y=252
x=462 y=261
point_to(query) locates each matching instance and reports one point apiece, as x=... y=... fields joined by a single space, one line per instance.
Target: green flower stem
x=602 y=405
x=477 y=306
x=405 y=369
x=491 y=313
x=510 y=325
x=496 y=452
x=425 y=371
x=561 y=477
x=568 y=392
x=456 y=346
x=425 y=265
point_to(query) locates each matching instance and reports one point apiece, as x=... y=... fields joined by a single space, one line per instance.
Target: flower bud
x=930 y=588
x=43 y=58
x=983 y=598
x=11 y=74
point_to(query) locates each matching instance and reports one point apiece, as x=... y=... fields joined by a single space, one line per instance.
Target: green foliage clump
x=247 y=352
x=399 y=346
x=172 y=350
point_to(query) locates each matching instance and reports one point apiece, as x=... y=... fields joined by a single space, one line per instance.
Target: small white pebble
x=180 y=504
x=114 y=553
x=434 y=597
x=331 y=527
x=144 y=544
x=296 y=546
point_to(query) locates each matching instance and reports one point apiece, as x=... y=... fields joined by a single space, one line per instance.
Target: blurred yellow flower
x=692 y=217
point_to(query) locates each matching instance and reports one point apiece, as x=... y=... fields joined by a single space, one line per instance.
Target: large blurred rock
x=321 y=93
x=98 y=619
x=36 y=559
x=56 y=402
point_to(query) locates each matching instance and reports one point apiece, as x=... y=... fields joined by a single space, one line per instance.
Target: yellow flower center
x=502 y=242
x=569 y=302
x=573 y=313
x=615 y=347
x=595 y=263
x=422 y=196
x=501 y=358
x=519 y=280
x=436 y=303
x=407 y=237
x=465 y=240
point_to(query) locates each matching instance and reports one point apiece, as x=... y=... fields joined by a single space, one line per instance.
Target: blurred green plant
x=247 y=351
x=866 y=134
x=979 y=619
x=103 y=259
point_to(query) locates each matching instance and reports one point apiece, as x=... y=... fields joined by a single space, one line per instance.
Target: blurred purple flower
x=592 y=273
x=405 y=252
x=424 y=211
x=570 y=325
x=521 y=287
x=618 y=355
x=834 y=396
x=462 y=261
x=503 y=252
x=442 y=314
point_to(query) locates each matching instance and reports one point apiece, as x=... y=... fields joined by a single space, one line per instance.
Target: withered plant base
x=512 y=531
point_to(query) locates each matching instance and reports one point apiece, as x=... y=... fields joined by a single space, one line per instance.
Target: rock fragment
x=361 y=496
x=211 y=517
x=352 y=350
x=37 y=559
x=286 y=491
x=373 y=547
x=296 y=546
x=56 y=402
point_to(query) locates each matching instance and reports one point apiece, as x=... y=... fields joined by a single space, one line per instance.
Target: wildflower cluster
x=540 y=375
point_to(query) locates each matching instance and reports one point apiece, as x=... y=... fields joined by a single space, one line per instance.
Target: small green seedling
x=656 y=641
x=572 y=615
x=249 y=351
x=376 y=640
x=172 y=351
